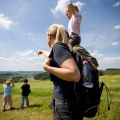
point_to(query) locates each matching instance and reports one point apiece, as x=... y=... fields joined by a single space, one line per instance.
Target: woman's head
x=56 y=33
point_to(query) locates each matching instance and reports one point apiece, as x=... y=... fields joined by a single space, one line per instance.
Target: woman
x=64 y=72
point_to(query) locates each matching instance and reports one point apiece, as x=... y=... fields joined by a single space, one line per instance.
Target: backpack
x=88 y=90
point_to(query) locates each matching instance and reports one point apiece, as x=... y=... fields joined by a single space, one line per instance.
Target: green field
x=41 y=95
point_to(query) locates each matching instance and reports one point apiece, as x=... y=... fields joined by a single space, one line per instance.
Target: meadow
x=41 y=94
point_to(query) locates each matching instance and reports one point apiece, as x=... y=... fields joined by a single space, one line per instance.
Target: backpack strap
x=109 y=98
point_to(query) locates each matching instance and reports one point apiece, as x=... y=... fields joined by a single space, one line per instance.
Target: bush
x=18 y=79
x=42 y=76
x=101 y=72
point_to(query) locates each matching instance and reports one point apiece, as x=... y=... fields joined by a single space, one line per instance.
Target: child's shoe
x=12 y=108
x=4 y=110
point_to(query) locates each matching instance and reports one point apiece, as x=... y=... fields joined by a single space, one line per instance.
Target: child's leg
x=22 y=102
x=10 y=101
x=4 y=102
x=75 y=40
x=81 y=50
x=27 y=101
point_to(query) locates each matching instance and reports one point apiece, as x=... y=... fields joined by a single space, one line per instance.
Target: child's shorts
x=7 y=99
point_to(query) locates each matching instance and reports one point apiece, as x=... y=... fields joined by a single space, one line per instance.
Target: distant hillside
x=9 y=73
x=42 y=76
x=17 y=75
x=111 y=71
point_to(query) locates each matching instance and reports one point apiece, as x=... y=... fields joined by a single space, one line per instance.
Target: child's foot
x=4 y=110
x=12 y=108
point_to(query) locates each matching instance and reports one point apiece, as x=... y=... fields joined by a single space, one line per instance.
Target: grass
x=39 y=99
x=41 y=95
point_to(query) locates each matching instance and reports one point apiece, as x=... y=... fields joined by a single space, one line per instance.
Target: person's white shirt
x=74 y=24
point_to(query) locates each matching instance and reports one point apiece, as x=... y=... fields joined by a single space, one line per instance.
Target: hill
x=110 y=71
x=17 y=75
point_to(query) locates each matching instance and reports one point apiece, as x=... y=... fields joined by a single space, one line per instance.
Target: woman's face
x=68 y=14
x=49 y=40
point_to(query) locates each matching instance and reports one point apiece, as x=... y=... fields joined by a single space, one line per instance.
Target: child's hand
x=11 y=81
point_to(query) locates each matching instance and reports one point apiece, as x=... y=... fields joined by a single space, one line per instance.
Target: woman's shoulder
x=60 y=45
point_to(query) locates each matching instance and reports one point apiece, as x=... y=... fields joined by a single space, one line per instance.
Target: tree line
x=45 y=76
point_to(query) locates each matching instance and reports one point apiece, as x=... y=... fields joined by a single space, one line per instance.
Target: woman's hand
x=40 y=52
x=43 y=52
x=47 y=64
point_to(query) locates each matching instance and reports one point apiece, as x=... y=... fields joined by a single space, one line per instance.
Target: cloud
x=60 y=7
x=115 y=43
x=106 y=61
x=22 y=61
x=30 y=61
x=5 y=22
x=33 y=37
x=117 y=27
x=95 y=40
x=27 y=54
x=117 y=4
x=109 y=62
x=79 y=5
x=115 y=59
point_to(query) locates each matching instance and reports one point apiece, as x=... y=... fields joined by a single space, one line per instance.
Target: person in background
x=63 y=73
x=8 y=85
x=25 y=92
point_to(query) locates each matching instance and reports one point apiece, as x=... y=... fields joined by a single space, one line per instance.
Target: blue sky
x=23 y=26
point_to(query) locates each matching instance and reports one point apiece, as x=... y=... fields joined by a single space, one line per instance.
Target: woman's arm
x=13 y=85
x=68 y=70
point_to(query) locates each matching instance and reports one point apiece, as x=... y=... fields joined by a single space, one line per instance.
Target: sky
x=24 y=23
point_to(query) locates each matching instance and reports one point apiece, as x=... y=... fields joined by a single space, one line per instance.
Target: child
x=75 y=18
x=25 y=92
x=7 y=93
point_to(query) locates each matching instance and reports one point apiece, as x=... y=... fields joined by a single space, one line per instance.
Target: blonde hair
x=70 y=7
x=8 y=82
x=59 y=33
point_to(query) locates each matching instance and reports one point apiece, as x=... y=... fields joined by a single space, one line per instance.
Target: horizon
x=45 y=71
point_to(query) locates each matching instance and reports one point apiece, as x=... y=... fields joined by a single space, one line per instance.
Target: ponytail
x=59 y=33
